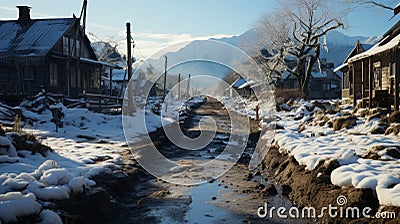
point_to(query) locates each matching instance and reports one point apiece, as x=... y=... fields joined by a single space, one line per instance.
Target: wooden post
x=371 y=79
x=111 y=75
x=363 y=82
x=354 y=86
x=129 y=55
x=396 y=80
x=188 y=87
x=165 y=78
x=179 y=86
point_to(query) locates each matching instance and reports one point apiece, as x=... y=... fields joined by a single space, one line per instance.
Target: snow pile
x=47 y=182
x=8 y=153
x=16 y=204
x=366 y=160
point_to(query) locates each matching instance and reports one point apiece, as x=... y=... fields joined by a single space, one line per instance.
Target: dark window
x=4 y=73
x=29 y=74
x=53 y=74
x=66 y=46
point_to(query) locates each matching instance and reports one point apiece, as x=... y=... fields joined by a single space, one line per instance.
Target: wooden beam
x=354 y=86
x=371 y=79
x=396 y=80
x=362 y=82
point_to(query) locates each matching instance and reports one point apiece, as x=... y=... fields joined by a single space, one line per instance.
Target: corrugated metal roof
x=33 y=37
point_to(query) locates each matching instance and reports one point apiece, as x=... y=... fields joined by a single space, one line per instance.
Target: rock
x=260 y=186
x=393 y=152
x=87 y=137
x=286 y=189
x=344 y=122
x=270 y=190
x=394 y=128
x=379 y=128
x=2 y=132
x=394 y=117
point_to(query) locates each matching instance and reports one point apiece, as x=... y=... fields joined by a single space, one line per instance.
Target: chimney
x=24 y=13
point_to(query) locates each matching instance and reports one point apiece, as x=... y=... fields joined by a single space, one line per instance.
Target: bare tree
x=392 y=5
x=293 y=33
x=386 y=4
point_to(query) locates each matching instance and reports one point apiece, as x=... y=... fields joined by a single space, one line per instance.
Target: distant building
x=374 y=75
x=54 y=54
x=324 y=82
x=242 y=86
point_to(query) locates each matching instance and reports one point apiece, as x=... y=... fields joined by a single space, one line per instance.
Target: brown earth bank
x=314 y=189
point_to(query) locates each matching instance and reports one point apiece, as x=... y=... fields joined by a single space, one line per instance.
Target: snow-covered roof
x=315 y=74
x=388 y=42
x=340 y=67
x=247 y=83
x=100 y=63
x=240 y=81
x=33 y=37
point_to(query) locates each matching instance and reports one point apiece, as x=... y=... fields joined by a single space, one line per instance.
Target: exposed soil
x=314 y=188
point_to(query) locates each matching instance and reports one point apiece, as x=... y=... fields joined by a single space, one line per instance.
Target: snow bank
x=49 y=217
x=317 y=143
x=16 y=204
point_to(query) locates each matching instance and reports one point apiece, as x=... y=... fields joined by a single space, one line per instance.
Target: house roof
x=358 y=49
x=389 y=40
x=314 y=74
x=240 y=81
x=33 y=37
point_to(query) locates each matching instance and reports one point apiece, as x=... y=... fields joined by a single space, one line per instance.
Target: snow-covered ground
x=308 y=136
x=88 y=144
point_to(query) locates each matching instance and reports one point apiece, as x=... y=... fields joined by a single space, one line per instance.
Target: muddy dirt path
x=232 y=198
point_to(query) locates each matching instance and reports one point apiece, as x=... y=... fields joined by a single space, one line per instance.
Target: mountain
x=340 y=45
x=220 y=51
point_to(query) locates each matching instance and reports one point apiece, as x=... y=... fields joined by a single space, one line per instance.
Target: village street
x=232 y=198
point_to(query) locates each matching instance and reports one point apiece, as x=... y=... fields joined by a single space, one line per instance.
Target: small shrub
x=284 y=95
x=30 y=143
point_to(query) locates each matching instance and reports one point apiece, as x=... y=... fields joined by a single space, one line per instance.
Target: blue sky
x=158 y=22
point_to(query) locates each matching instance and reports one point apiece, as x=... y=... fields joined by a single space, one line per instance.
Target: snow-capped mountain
x=339 y=46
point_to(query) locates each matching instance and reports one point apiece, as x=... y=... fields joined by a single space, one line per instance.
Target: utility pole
x=188 y=87
x=179 y=86
x=129 y=48
x=165 y=78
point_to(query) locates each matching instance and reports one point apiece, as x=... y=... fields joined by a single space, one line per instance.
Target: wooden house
x=324 y=82
x=347 y=75
x=50 y=54
x=375 y=74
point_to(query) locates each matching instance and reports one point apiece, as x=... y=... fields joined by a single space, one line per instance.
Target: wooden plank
x=354 y=86
x=396 y=80
x=371 y=79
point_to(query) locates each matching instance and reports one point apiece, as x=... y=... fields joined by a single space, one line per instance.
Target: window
x=4 y=73
x=66 y=46
x=71 y=47
x=53 y=74
x=327 y=86
x=377 y=76
x=29 y=73
x=78 y=48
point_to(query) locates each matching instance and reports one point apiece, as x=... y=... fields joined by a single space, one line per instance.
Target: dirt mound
x=344 y=122
x=314 y=188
